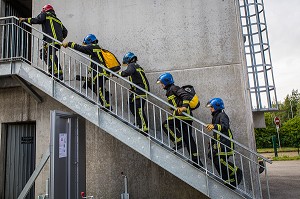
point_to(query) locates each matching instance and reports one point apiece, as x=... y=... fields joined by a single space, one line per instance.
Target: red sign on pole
x=277 y=121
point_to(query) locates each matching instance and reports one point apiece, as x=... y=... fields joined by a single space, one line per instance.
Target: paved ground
x=284 y=179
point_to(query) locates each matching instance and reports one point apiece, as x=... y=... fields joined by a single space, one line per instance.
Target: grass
x=283 y=149
x=269 y=153
x=284 y=158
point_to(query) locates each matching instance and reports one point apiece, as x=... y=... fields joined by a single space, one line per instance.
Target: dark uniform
x=53 y=27
x=99 y=74
x=137 y=102
x=222 y=149
x=178 y=125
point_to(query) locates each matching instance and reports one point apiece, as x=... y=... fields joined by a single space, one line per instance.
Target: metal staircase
x=20 y=56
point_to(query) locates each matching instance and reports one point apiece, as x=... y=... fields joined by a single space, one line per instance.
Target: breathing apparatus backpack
x=110 y=60
x=194 y=103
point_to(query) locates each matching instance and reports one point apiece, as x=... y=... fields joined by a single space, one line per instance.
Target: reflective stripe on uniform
x=173 y=134
x=179 y=117
x=98 y=52
x=55 y=69
x=52 y=26
x=219 y=127
x=186 y=102
x=233 y=170
x=143 y=78
x=138 y=96
x=145 y=128
x=99 y=75
x=172 y=98
x=103 y=98
x=226 y=153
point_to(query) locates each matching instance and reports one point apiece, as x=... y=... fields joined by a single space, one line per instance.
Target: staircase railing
x=23 y=42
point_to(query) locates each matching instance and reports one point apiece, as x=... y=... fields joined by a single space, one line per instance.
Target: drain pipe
x=47 y=189
x=125 y=195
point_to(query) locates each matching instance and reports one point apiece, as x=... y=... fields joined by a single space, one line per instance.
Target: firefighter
x=178 y=125
x=53 y=27
x=222 y=148
x=99 y=75
x=138 y=97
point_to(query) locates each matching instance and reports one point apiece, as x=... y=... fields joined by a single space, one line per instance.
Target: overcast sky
x=283 y=23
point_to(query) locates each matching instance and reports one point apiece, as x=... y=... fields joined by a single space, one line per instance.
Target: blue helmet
x=166 y=79
x=216 y=103
x=90 y=38
x=128 y=57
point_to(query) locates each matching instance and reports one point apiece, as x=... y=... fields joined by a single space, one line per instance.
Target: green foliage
x=264 y=135
x=289 y=132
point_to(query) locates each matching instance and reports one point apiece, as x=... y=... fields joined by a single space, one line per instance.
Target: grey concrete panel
x=165 y=35
x=259 y=120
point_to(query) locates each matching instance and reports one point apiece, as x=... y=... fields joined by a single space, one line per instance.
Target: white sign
x=63 y=138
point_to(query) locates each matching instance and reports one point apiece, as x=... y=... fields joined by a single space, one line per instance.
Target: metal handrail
x=162 y=113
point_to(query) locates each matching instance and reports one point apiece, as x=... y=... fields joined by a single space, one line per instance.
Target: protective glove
x=180 y=110
x=65 y=44
x=210 y=127
x=21 y=19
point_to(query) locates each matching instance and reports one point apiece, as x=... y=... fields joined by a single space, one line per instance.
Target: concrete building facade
x=198 y=41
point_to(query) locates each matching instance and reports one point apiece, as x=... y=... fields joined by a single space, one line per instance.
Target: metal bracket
x=35 y=174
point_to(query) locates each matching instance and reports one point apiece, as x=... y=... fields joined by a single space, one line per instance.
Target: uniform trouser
x=103 y=94
x=49 y=54
x=229 y=173
x=173 y=129
x=137 y=105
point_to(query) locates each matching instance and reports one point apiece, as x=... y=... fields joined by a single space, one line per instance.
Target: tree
x=290 y=132
x=264 y=135
x=289 y=112
x=291 y=103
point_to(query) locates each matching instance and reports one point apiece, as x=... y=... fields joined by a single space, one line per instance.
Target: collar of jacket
x=51 y=12
x=216 y=112
x=167 y=88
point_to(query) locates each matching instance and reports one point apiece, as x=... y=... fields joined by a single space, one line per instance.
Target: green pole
x=274 y=141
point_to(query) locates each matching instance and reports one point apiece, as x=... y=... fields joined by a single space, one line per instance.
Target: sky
x=283 y=25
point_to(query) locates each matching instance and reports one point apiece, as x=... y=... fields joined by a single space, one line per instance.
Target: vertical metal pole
x=47 y=188
x=277 y=129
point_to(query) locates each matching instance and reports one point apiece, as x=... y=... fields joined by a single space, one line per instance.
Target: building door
x=67 y=156
x=20 y=158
